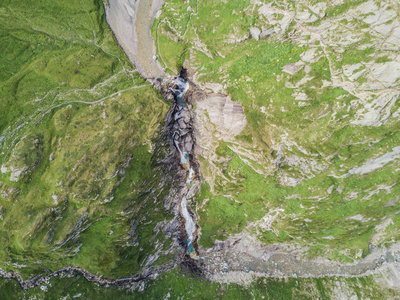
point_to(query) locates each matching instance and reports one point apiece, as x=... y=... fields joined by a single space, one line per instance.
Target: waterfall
x=190 y=227
x=183 y=86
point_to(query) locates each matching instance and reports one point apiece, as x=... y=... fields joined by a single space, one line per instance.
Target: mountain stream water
x=190 y=227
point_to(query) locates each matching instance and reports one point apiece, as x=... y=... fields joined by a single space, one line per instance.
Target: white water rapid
x=190 y=226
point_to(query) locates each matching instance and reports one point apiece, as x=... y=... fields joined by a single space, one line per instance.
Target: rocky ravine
x=216 y=117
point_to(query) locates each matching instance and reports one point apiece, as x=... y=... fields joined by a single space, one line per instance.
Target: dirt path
x=131 y=22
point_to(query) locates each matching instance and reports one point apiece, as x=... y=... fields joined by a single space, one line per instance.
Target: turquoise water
x=190 y=226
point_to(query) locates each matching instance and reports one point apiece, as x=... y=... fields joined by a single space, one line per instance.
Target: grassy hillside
x=80 y=181
x=177 y=285
x=318 y=118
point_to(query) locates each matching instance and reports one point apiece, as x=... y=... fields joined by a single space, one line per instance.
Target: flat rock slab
x=228 y=116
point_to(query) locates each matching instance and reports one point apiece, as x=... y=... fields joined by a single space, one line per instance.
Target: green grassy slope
x=81 y=181
x=304 y=124
x=82 y=129
x=177 y=285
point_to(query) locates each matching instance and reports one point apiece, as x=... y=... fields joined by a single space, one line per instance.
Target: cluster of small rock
x=182 y=127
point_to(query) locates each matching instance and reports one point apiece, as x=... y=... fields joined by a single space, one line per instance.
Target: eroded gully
x=182 y=134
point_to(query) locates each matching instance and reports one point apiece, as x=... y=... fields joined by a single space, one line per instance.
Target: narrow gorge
x=184 y=140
